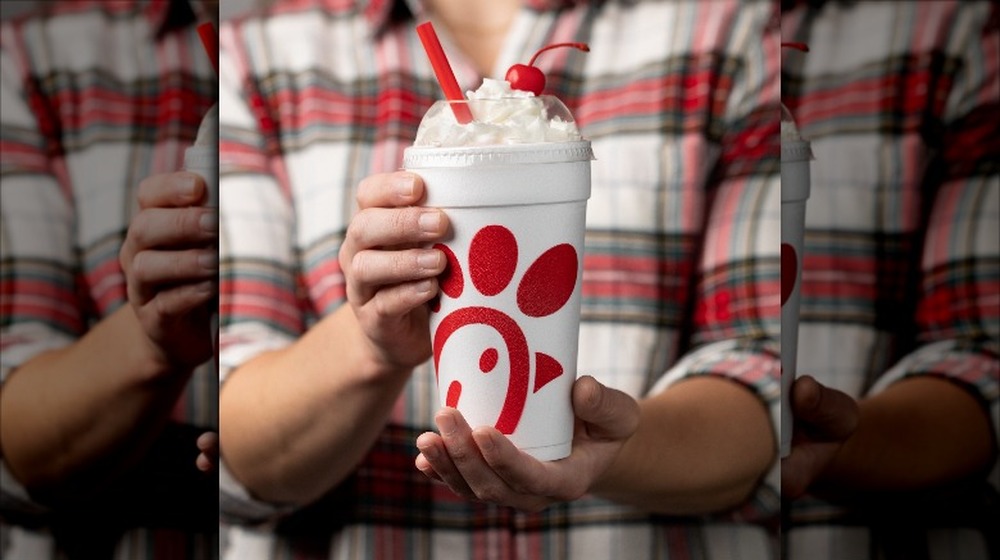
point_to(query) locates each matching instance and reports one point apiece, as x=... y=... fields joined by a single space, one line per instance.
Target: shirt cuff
x=238 y=344
x=236 y=505
x=15 y=502
x=975 y=368
x=755 y=364
x=22 y=342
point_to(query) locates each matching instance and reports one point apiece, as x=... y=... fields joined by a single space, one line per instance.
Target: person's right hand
x=170 y=261
x=390 y=269
x=824 y=419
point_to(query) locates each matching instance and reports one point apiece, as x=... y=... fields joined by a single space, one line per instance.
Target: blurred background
x=227 y=8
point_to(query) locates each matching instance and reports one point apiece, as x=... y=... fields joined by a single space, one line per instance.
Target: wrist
x=366 y=358
x=147 y=359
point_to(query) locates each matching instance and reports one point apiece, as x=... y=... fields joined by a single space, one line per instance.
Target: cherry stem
x=582 y=46
x=796 y=45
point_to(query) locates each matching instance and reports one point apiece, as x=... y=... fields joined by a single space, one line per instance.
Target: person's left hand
x=483 y=464
x=824 y=419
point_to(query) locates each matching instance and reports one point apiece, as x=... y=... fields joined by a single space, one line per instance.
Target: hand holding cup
x=824 y=419
x=483 y=464
x=390 y=270
x=170 y=261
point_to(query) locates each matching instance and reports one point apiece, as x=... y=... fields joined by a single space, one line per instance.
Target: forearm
x=75 y=418
x=702 y=446
x=296 y=422
x=919 y=433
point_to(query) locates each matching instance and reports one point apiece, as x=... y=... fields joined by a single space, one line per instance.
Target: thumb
x=826 y=414
x=801 y=468
x=608 y=413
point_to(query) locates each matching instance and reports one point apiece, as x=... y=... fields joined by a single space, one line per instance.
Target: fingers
x=173 y=227
x=393 y=302
x=204 y=464
x=608 y=413
x=457 y=458
x=804 y=465
x=152 y=270
x=373 y=269
x=798 y=471
x=389 y=227
x=522 y=473
x=175 y=302
x=390 y=190
x=387 y=216
x=397 y=279
x=171 y=190
x=208 y=444
x=434 y=460
x=825 y=414
x=379 y=268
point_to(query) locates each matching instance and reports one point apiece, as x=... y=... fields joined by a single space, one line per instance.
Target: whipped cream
x=208 y=131
x=501 y=115
x=789 y=131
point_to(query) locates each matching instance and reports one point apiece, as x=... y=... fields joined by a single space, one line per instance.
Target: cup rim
x=416 y=157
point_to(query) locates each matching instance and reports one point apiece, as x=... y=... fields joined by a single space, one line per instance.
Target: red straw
x=445 y=76
x=796 y=45
x=211 y=43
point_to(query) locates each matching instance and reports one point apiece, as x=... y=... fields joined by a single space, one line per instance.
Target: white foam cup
x=202 y=158
x=505 y=328
x=795 y=158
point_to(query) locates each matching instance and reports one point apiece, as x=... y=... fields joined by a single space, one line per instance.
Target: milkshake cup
x=202 y=157
x=795 y=157
x=505 y=327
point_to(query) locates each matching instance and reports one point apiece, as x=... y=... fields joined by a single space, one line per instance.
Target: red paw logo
x=789 y=271
x=542 y=290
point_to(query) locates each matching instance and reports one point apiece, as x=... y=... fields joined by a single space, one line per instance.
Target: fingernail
x=447 y=424
x=430 y=222
x=429 y=260
x=430 y=452
x=208 y=260
x=423 y=287
x=403 y=185
x=209 y=222
x=185 y=184
x=485 y=442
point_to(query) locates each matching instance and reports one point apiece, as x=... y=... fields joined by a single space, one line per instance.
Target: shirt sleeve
x=38 y=268
x=258 y=303
x=736 y=323
x=958 y=307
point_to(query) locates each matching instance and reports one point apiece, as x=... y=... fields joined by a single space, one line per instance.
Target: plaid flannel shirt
x=96 y=96
x=902 y=247
x=681 y=264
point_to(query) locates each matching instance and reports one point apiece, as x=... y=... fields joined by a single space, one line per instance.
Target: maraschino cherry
x=528 y=78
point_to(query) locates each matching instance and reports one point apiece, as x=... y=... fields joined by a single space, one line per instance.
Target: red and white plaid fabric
x=96 y=96
x=901 y=273
x=681 y=264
